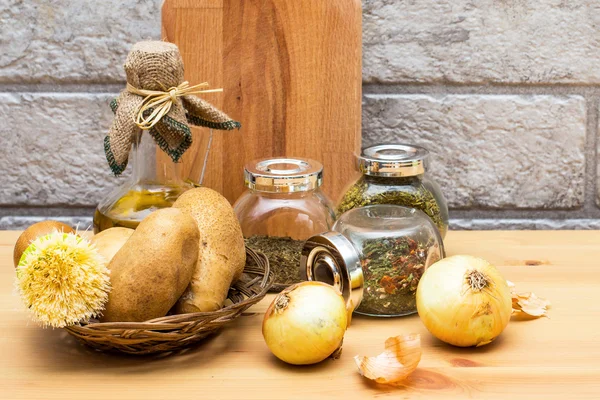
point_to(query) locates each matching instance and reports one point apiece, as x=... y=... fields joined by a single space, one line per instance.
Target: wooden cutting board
x=291 y=74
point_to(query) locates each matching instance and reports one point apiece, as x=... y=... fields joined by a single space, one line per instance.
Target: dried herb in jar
x=392 y=268
x=284 y=258
x=406 y=191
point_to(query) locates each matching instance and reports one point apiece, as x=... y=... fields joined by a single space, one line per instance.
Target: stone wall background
x=505 y=93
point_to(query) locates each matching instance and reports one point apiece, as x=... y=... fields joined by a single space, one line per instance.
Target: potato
x=222 y=255
x=110 y=241
x=153 y=268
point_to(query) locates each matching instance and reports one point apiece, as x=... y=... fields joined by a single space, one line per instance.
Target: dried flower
x=63 y=280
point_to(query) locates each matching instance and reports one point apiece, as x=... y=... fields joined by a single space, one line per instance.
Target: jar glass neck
x=393 y=179
x=149 y=166
x=290 y=195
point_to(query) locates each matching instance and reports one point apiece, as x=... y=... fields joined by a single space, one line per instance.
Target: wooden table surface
x=556 y=358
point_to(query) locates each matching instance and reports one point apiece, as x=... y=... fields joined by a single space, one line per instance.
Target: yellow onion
x=464 y=301
x=305 y=323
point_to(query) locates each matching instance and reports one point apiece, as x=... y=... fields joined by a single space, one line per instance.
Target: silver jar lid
x=331 y=258
x=393 y=160
x=283 y=175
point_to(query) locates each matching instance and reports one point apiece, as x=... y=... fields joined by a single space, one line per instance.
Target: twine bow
x=165 y=114
x=160 y=102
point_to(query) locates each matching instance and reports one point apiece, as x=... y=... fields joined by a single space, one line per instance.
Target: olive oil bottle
x=154 y=183
x=134 y=206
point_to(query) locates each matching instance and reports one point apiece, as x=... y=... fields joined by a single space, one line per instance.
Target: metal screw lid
x=393 y=160
x=331 y=258
x=283 y=175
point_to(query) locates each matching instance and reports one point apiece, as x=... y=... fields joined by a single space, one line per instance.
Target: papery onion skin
x=400 y=359
x=305 y=323
x=455 y=312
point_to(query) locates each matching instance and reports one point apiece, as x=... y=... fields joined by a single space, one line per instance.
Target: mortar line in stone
x=85 y=223
x=591 y=141
x=443 y=89
x=76 y=88
x=473 y=213
x=525 y=213
x=523 y=224
x=27 y=211
x=368 y=88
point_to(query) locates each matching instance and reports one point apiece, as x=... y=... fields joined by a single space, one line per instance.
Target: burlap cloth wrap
x=157 y=66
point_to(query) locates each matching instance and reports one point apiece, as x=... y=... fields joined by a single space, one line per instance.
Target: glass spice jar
x=375 y=256
x=282 y=207
x=396 y=174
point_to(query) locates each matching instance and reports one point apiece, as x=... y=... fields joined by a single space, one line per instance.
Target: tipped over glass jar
x=397 y=174
x=375 y=256
x=283 y=206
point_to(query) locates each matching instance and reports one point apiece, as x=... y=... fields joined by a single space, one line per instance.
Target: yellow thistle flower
x=63 y=279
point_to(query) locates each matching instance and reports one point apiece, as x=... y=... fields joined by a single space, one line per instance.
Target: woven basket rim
x=174 y=332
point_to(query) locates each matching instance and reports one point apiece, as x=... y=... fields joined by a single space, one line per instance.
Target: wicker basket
x=175 y=332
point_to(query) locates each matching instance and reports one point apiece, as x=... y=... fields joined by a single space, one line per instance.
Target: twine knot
x=158 y=103
x=158 y=100
x=173 y=94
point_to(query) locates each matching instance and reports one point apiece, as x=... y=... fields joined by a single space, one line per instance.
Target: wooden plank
x=554 y=358
x=291 y=73
x=174 y=4
x=201 y=47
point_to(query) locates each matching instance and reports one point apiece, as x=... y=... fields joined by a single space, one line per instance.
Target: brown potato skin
x=153 y=268
x=110 y=241
x=222 y=254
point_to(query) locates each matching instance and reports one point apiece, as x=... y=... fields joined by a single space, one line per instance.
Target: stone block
x=485 y=41
x=52 y=149
x=62 y=41
x=504 y=151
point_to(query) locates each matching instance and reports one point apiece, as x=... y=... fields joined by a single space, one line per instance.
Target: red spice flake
x=388 y=284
